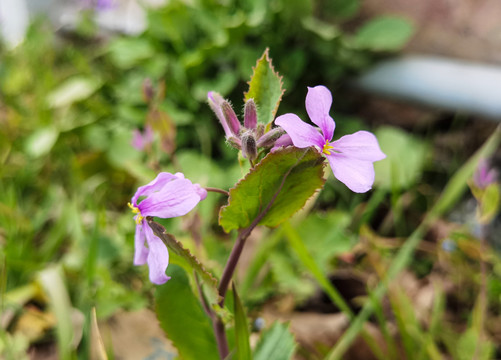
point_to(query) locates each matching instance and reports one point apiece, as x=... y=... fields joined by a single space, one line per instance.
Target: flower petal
x=215 y=100
x=282 y=141
x=318 y=106
x=159 y=182
x=302 y=134
x=176 y=198
x=141 y=251
x=357 y=175
x=200 y=191
x=361 y=145
x=158 y=257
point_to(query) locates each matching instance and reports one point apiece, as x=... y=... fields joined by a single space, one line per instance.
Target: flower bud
x=234 y=142
x=249 y=148
x=215 y=101
x=230 y=117
x=250 y=114
x=259 y=130
x=269 y=139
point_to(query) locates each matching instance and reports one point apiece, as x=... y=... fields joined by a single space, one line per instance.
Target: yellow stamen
x=135 y=210
x=327 y=148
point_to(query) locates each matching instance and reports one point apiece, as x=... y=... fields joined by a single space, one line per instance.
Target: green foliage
x=471 y=346
x=183 y=319
x=187 y=260
x=52 y=281
x=284 y=179
x=310 y=263
x=265 y=87
x=388 y=33
x=276 y=343
x=125 y=53
x=69 y=105
x=75 y=89
x=488 y=202
x=243 y=350
x=452 y=191
x=405 y=159
x=40 y=142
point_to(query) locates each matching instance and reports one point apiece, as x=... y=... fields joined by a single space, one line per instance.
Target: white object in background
x=128 y=17
x=14 y=20
x=439 y=82
x=125 y=16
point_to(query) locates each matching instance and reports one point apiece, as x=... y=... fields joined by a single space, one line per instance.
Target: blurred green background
x=70 y=101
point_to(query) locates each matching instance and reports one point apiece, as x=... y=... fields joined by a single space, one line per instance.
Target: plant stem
x=221 y=191
x=220 y=333
x=231 y=265
x=482 y=297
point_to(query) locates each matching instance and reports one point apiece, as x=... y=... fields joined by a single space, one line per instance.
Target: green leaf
x=489 y=204
x=243 y=351
x=284 y=180
x=41 y=141
x=276 y=343
x=75 y=89
x=188 y=260
x=128 y=52
x=182 y=318
x=343 y=9
x=265 y=87
x=397 y=171
x=52 y=281
x=323 y=29
x=310 y=263
x=386 y=33
x=450 y=195
x=471 y=346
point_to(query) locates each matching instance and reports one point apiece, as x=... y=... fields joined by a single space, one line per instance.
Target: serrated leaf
x=243 y=351
x=386 y=33
x=188 y=260
x=286 y=179
x=276 y=343
x=182 y=317
x=265 y=87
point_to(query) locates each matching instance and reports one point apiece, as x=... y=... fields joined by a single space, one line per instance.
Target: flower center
x=327 y=148
x=135 y=210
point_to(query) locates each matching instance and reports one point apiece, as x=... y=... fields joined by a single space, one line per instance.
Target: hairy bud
x=269 y=139
x=249 y=147
x=234 y=142
x=230 y=117
x=250 y=114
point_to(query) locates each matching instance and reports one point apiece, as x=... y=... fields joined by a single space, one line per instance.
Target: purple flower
x=167 y=196
x=225 y=114
x=99 y=5
x=142 y=139
x=252 y=135
x=484 y=175
x=351 y=157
